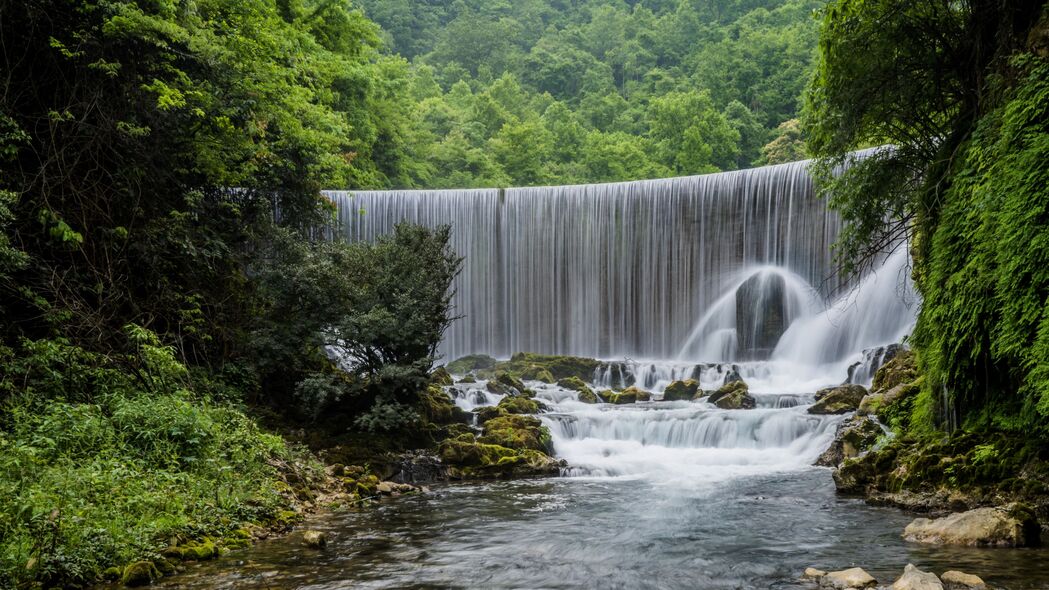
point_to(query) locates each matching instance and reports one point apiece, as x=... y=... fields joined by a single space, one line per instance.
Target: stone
x=140 y=573
x=441 y=376
x=510 y=381
x=1010 y=526
x=520 y=405
x=586 y=395
x=467 y=379
x=812 y=573
x=850 y=578
x=518 y=432
x=761 y=314
x=317 y=539
x=681 y=391
x=469 y=363
x=838 y=400
x=384 y=487
x=733 y=396
x=903 y=368
x=606 y=395
x=853 y=437
x=639 y=395
x=915 y=579
x=955 y=580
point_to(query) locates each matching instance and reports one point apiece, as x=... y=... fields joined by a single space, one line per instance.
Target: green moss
x=486 y=413
x=140 y=573
x=437 y=407
x=519 y=405
x=441 y=377
x=558 y=366
x=682 y=391
x=517 y=432
x=470 y=363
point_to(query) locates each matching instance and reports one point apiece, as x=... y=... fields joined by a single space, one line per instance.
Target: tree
x=690 y=135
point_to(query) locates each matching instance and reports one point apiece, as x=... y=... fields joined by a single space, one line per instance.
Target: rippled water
x=666 y=495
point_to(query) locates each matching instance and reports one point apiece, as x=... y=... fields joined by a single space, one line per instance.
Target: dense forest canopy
x=559 y=92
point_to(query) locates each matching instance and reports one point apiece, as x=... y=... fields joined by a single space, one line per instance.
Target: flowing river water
x=658 y=495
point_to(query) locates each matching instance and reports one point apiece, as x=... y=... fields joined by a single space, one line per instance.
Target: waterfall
x=727 y=267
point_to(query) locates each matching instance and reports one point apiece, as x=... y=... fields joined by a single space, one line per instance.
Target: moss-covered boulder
x=498 y=388
x=486 y=413
x=686 y=390
x=440 y=376
x=200 y=551
x=437 y=407
x=472 y=453
x=478 y=460
x=469 y=378
x=733 y=396
x=140 y=573
x=537 y=373
x=521 y=405
x=473 y=362
x=903 y=368
x=510 y=381
x=559 y=366
x=853 y=437
x=515 y=431
x=606 y=395
x=838 y=400
x=639 y=395
x=586 y=395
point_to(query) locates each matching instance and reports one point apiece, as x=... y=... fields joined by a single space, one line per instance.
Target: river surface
x=659 y=495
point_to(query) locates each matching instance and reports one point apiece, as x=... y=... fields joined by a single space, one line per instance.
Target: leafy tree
x=690 y=135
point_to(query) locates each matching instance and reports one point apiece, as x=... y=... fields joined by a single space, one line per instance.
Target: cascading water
x=711 y=277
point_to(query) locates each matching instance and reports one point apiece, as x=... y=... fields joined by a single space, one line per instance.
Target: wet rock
x=468 y=379
x=441 y=377
x=486 y=413
x=812 y=573
x=469 y=363
x=478 y=460
x=559 y=366
x=384 y=488
x=915 y=579
x=498 y=388
x=1010 y=526
x=420 y=467
x=140 y=573
x=639 y=395
x=733 y=396
x=537 y=373
x=878 y=403
x=438 y=408
x=903 y=368
x=517 y=432
x=732 y=376
x=318 y=539
x=853 y=437
x=510 y=381
x=838 y=400
x=586 y=395
x=955 y=580
x=520 y=405
x=850 y=578
x=112 y=574
x=681 y=391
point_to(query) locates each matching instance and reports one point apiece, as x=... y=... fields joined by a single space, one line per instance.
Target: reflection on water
x=751 y=532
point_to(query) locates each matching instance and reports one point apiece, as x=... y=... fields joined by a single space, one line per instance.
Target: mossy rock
x=486 y=413
x=472 y=454
x=588 y=397
x=112 y=574
x=441 y=377
x=686 y=390
x=520 y=405
x=140 y=573
x=439 y=408
x=200 y=551
x=165 y=567
x=473 y=362
x=903 y=368
x=467 y=379
x=498 y=388
x=510 y=381
x=517 y=432
x=558 y=366
x=606 y=395
x=838 y=400
x=733 y=396
x=537 y=373
x=632 y=395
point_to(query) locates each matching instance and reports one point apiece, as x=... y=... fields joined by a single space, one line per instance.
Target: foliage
x=99 y=467
x=959 y=91
x=540 y=92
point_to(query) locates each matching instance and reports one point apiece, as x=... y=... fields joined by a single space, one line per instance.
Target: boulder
x=855 y=435
x=510 y=381
x=520 y=405
x=559 y=366
x=1010 y=526
x=317 y=539
x=681 y=391
x=903 y=368
x=850 y=578
x=915 y=579
x=140 y=573
x=812 y=573
x=384 y=488
x=606 y=395
x=629 y=395
x=537 y=373
x=733 y=396
x=441 y=377
x=639 y=395
x=517 y=432
x=586 y=395
x=478 y=460
x=955 y=580
x=732 y=376
x=486 y=413
x=838 y=400
x=469 y=363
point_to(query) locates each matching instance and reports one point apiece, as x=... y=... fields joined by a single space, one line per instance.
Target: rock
x=559 y=366
x=915 y=579
x=537 y=373
x=438 y=408
x=317 y=539
x=733 y=396
x=732 y=376
x=850 y=578
x=440 y=376
x=855 y=435
x=838 y=400
x=586 y=395
x=761 y=314
x=469 y=363
x=606 y=395
x=498 y=388
x=812 y=573
x=200 y=551
x=903 y=368
x=639 y=395
x=478 y=460
x=384 y=487
x=486 y=413
x=520 y=405
x=629 y=395
x=510 y=381
x=468 y=379
x=955 y=580
x=681 y=391
x=112 y=574
x=1011 y=526
x=140 y=573
x=517 y=432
